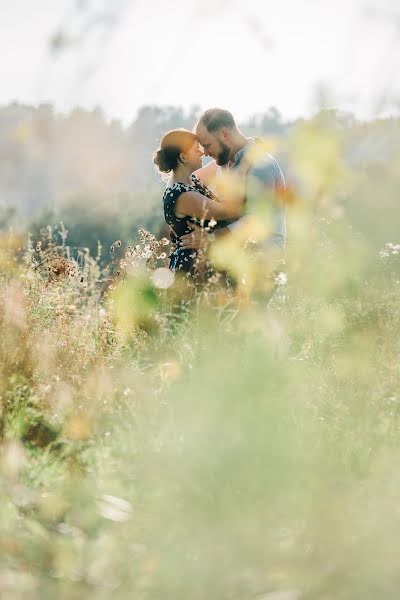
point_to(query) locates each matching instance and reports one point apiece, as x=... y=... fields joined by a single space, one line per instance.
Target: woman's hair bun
x=160 y=159
x=172 y=144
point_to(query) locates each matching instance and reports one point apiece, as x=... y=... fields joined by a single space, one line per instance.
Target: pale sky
x=245 y=55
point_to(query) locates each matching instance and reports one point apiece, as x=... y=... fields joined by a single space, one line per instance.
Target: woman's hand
x=196 y=239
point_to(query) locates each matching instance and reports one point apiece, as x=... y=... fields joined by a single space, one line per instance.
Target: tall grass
x=156 y=445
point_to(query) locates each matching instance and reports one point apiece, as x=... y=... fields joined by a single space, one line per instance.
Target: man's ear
x=182 y=157
x=225 y=134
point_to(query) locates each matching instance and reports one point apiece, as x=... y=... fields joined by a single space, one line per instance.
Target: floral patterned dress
x=185 y=260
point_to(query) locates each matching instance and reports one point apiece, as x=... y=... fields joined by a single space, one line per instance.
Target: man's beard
x=223 y=155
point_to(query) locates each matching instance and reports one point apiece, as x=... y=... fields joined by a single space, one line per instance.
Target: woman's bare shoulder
x=207 y=173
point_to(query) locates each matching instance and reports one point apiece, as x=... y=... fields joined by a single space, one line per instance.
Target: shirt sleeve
x=266 y=177
x=268 y=173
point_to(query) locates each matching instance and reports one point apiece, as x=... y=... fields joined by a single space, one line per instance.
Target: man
x=234 y=153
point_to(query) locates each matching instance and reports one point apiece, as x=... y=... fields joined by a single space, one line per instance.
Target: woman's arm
x=194 y=204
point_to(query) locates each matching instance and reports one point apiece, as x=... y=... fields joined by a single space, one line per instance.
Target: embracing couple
x=203 y=204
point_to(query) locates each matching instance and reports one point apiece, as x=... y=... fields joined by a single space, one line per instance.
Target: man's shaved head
x=214 y=119
x=217 y=132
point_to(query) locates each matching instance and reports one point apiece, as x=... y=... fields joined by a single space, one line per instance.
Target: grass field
x=222 y=448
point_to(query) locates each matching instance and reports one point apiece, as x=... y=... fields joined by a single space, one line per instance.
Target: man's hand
x=196 y=239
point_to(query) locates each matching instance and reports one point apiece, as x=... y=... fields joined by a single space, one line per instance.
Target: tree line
x=97 y=175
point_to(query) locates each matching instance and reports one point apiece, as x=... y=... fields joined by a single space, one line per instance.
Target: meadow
x=217 y=447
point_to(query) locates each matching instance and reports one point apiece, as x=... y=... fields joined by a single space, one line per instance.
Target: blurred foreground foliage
x=155 y=445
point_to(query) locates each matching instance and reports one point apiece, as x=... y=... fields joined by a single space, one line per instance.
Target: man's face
x=213 y=145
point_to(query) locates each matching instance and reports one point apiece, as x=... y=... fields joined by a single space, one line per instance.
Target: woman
x=186 y=199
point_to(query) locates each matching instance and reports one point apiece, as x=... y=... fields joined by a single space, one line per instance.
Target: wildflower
x=212 y=222
x=147 y=252
x=162 y=278
x=162 y=256
x=114 y=508
x=164 y=241
x=281 y=279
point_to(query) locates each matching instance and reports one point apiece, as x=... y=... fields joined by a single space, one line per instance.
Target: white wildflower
x=147 y=252
x=162 y=278
x=281 y=278
x=114 y=509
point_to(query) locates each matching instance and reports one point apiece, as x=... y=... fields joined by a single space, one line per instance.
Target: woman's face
x=194 y=156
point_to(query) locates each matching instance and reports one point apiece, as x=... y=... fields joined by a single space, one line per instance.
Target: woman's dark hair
x=172 y=144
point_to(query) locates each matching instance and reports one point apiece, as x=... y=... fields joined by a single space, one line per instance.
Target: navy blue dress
x=184 y=259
